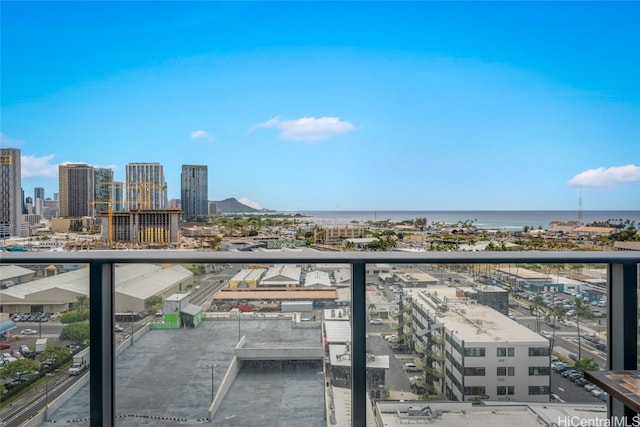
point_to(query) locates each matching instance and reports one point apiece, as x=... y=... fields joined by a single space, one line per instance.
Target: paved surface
x=165 y=379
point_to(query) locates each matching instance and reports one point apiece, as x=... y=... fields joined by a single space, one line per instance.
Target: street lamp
x=46 y=396
x=212 y=367
x=238 y=325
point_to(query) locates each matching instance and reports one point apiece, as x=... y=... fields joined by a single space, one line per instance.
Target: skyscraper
x=10 y=193
x=117 y=196
x=194 y=192
x=38 y=200
x=103 y=183
x=38 y=193
x=84 y=190
x=146 y=187
x=76 y=189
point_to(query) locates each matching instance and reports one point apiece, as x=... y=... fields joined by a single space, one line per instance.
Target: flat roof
x=524 y=273
x=473 y=322
x=288 y=294
x=454 y=414
x=340 y=356
x=337 y=331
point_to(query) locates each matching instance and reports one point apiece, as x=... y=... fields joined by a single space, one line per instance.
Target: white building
x=282 y=276
x=317 y=279
x=470 y=351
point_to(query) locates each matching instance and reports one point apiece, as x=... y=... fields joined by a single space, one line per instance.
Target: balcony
x=622 y=284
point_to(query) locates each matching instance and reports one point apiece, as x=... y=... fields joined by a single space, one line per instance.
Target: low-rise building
x=469 y=351
x=336 y=233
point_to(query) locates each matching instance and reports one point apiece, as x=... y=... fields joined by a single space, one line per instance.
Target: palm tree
x=537 y=307
x=558 y=314
x=582 y=310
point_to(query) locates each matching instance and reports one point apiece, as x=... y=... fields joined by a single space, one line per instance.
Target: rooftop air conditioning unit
x=417 y=411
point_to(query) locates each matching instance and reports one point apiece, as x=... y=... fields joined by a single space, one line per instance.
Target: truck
x=80 y=362
x=41 y=345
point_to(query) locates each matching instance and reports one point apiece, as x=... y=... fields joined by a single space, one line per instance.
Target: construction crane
x=109 y=218
x=144 y=192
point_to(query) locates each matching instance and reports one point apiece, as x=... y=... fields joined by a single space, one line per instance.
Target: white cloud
x=201 y=134
x=308 y=128
x=249 y=203
x=38 y=166
x=607 y=177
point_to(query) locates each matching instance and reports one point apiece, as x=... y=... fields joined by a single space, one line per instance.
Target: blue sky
x=335 y=105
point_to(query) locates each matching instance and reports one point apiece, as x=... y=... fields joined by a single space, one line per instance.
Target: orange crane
x=109 y=218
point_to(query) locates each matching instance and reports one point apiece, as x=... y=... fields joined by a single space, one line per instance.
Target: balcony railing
x=622 y=303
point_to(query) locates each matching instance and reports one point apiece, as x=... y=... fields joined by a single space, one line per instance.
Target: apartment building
x=10 y=194
x=145 y=185
x=339 y=232
x=194 y=193
x=469 y=351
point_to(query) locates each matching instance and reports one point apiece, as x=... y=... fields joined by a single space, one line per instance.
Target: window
x=474 y=372
x=538 y=351
x=505 y=352
x=502 y=390
x=538 y=389
x=503 y=371
x=539 y=370
x=474 y=352
x=474 y=391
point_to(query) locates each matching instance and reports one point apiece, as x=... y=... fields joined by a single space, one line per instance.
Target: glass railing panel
x=495 y=332
x=45 y=342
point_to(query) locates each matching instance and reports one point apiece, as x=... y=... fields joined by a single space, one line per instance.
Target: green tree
x=537 y=308
x=152 y=300
x=59 y=353
x=20 y=366
x=421 y=223
x=76 y=332
x=558 y=312
x=82 y=302
x=586 y=364
x=73 y=316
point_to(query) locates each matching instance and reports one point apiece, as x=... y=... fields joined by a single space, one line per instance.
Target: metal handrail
x=622 y=284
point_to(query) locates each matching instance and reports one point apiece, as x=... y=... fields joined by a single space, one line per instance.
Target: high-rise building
x=146 y=187
x=194 y=192
x=76 y=188
x=84 y=190
x=11 y=200
x=38 y=193
x=38 y=200
x=102 y=196
x=117 y=196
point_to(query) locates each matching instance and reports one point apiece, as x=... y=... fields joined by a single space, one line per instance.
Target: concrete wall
x=38 y=419
x=307 y=353
x=227 y=380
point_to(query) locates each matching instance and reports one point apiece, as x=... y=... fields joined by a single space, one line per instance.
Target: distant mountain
x=231 y=206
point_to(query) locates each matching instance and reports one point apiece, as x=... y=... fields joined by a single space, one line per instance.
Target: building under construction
x=154 y=227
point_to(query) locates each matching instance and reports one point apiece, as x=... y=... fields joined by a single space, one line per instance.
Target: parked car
x=410 y=367
x=400 y=347
x=391 y=337
x=118 y=328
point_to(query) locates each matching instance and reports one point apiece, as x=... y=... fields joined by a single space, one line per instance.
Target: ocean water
x=507 y=220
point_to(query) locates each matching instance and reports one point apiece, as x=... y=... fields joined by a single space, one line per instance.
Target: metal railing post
x=358 y=345
x=102 y=349
x=622 y=329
